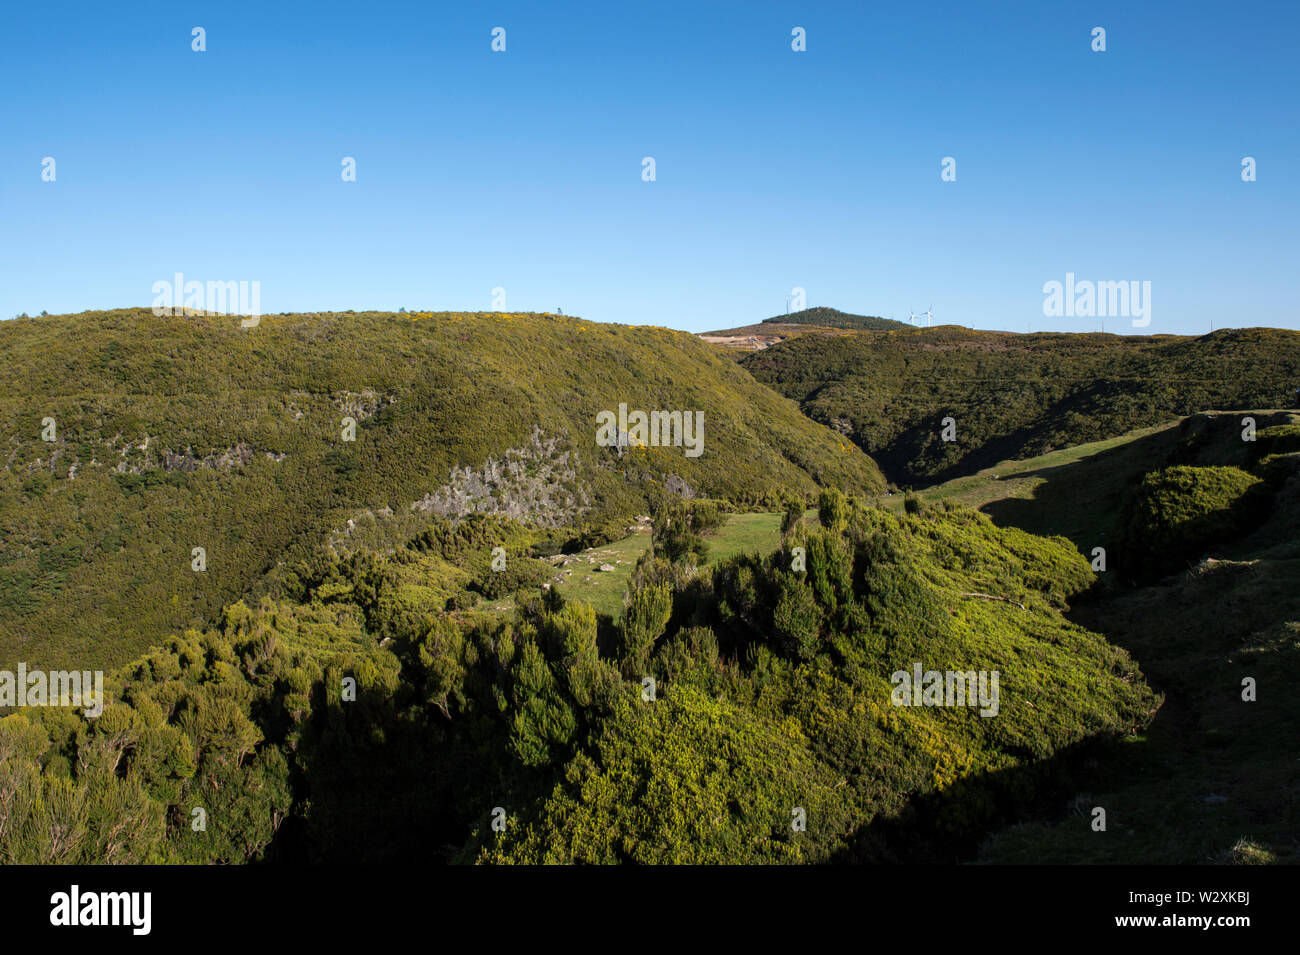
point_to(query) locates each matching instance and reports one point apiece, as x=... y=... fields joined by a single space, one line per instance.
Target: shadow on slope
x=1215 y=778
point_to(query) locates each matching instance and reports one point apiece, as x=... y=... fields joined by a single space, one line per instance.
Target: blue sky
x=774 y=169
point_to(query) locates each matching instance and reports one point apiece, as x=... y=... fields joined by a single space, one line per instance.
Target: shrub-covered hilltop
x=833 y=318
x=808 y=321
x=129 y=440
x=744 y=713
x=1017 y=396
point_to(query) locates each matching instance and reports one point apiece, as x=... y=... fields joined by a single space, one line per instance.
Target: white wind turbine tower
x=912 y=316
x=929 y=316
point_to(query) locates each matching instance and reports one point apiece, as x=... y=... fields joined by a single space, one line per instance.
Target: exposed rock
x=677 y=485
x=186 y=461
x=534 y=484
x=363 y=404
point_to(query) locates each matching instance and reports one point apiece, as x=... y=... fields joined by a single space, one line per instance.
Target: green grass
x=745 y=534
x=584 y=581
x=1017 y=478
x=1077 y=492
x=1074 y=492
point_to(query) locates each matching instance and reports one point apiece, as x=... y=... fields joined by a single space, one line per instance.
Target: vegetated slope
x=772 y=697
x=1209 y=525
x=1215 y=778
x=1017 y=396
x=1073 y=492
x=1079 y=492
x=175 y=433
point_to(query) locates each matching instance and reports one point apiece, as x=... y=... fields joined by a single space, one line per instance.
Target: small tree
x=645 y=619
x=679 y=531
x=793 y=514
x=833 y=509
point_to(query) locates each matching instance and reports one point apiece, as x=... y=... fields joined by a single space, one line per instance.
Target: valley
x=442 y=578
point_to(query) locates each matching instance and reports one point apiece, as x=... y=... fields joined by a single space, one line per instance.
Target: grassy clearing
x=1074 y=492
x=743 y=534
x=583 y=580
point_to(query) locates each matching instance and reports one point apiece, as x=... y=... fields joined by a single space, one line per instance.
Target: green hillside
x=1075 y=492
x=1017 y=396
x=1209 y=781
x=176 y=433
x=809 y=321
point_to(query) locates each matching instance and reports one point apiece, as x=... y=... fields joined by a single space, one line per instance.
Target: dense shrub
x=521 y=573
x=360 y=721
x=832 y=509
x=679 y=530
x=1172 y=515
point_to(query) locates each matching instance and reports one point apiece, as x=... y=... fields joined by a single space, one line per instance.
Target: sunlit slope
x=175 y=433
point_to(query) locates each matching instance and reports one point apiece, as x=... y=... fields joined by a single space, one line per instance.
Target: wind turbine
x=929 y=316
x=912 y=316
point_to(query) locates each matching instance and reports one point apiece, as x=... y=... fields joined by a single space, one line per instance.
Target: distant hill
x=170 y=434
x=1017 y=396
x=808 y=321
x=834 y=318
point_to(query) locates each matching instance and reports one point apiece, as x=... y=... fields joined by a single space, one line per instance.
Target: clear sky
x=775 y=169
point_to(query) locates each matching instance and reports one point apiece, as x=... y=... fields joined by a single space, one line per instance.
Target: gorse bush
x=1174 y=514
x=520 y=573
x=792 y=514
x=719 y=765
x=832 y=509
